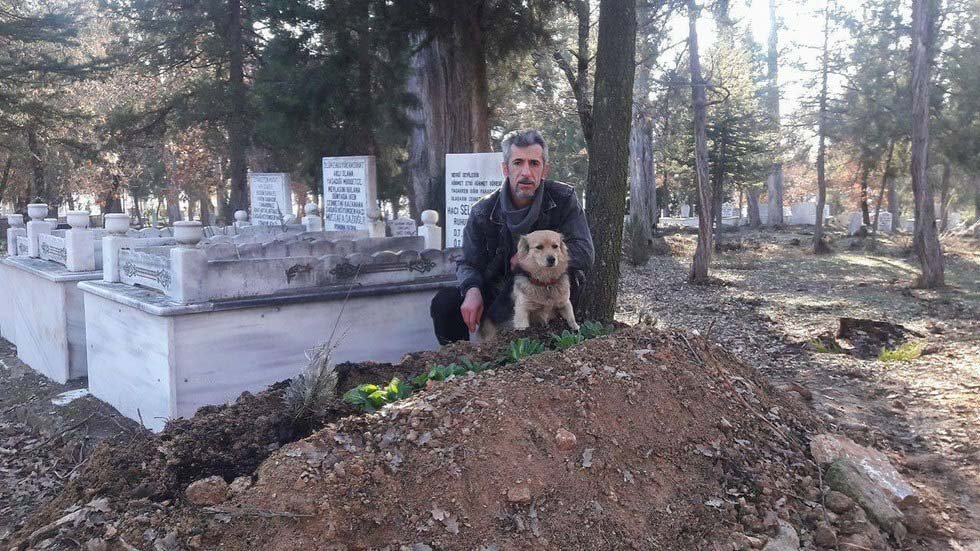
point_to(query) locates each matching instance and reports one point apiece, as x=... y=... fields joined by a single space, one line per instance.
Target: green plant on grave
x=370 y=398
x=592 y=329
x=443 y=372
x=906 y=352
x=522 y=348
x=567 y=339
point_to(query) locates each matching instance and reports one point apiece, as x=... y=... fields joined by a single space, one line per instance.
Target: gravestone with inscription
x=272 y=198
x=403 y=227
x=350 y=187
x=469 y=176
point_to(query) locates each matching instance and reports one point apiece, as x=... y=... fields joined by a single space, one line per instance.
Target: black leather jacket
x=487 y=248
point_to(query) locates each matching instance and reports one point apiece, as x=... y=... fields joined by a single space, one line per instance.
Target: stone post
x=189 y=269
x=312 y=221
x=36 y=226
x=116 y=225
x=430 y=231
x=79 y=243
x=16 y=229
x=376 y=226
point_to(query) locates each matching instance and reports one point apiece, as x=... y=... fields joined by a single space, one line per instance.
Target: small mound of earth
x=639 y=440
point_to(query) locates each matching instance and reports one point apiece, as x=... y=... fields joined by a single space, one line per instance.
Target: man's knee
x=445 y=303
x=447 y=320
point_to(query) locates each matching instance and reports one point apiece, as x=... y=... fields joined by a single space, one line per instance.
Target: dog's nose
x=551 y=261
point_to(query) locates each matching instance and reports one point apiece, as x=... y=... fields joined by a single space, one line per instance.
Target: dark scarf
x=520 y=221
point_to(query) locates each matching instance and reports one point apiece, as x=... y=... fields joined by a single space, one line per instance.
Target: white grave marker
x=469 y=176
x=349 y=187
x=272 y=198
x=885 y=222
x=403 y=227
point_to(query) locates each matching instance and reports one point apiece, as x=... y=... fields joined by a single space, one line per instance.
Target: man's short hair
x=523 y=138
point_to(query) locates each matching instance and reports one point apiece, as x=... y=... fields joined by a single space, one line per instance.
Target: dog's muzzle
x=551 y=261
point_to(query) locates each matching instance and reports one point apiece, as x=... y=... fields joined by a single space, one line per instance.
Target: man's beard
x=522 y=194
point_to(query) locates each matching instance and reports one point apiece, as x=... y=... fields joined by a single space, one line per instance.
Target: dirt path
x=776 y=297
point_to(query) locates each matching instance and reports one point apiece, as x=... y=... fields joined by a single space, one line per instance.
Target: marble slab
x=49 y=328
x=155 y=367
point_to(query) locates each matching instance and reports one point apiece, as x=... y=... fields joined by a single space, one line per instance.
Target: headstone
x=885 y=222
x=685 y=211
x=728 y=210
x=804 y=213
x=764 y=213
x=469 y=176
x=855 y=223
x=375 y=226
x=272 y=198
x=349 y=187
x=403 y=227
x=312 y=220
x=954 y=220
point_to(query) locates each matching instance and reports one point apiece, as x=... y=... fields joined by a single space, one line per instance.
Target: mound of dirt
x=642 y=439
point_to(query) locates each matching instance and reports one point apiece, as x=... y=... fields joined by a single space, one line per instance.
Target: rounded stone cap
x=188 y=232
x=37 y=211
x=116 y=222
x=430 y=217
x=310 y=209
x=15 y=220
x=51 y=220
x=373 y=213
x=241 y=216
x=78 y=218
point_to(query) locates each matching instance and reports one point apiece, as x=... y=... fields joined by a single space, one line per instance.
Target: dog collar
x=537 y=281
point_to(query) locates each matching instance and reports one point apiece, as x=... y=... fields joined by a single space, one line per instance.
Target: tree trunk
x=643 y=184
x=863 y=200
x=755 y=219
x=699 y=103
x=976 y=198
x=819 y=245
x=221 y=192
x=111 y=203
x=205 y=201
x=886 y=175
x=894 y=205
x=944 y=196
x=926 y=239
x=450 y=81
x=774 y=182
x=237 y=124
x=38 y=188
x=643 y=179
x=609 y=157
x=5 y=179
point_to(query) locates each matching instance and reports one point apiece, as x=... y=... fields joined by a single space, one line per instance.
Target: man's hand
x=472 y=308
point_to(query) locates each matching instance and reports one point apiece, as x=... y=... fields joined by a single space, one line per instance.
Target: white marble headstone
x=727 y=210
x=403 y=227
x=885 y=222
x=349 y=187
x=469 y=176
x=685 y=211
x=272 y=198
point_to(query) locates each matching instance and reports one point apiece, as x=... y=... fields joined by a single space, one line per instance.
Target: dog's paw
x=521 y=326
x=574 y=326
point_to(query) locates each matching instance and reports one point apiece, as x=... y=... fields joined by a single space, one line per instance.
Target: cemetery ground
x=687 y=431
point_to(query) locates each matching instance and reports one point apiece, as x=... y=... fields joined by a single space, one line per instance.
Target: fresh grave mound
x=643 y=439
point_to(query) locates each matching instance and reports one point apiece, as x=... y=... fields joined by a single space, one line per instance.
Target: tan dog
x=540 y=287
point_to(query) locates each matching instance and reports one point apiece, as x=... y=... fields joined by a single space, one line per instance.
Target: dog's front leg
x=569 y=315
x=522 y=314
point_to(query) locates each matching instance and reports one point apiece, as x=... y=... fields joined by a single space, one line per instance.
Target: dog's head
x=542 y=250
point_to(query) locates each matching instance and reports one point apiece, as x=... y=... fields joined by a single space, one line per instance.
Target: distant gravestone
x=349 y=187
x=272 y=198
x=885 y=222
x=403 y=227
x=469 y=176
x=855 y=223
x=685 y=211
x=764 y=213
x=728 y=210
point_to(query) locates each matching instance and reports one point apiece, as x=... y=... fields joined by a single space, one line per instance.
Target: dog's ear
x=523 y=245
x=563 y=247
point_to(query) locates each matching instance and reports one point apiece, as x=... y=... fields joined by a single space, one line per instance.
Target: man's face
x=525 y=170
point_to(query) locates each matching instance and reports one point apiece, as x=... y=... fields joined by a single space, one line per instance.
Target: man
x=525 y=202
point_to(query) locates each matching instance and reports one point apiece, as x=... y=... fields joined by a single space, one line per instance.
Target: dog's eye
x=539 y=247
x=554 y=246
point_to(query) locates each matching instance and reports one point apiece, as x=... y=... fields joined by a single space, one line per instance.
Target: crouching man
x=526 y=202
